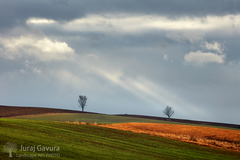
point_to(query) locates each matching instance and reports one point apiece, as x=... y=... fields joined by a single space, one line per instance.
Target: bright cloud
x=42 y=49
x=139 y=23
x=214 y=46
x=40 y=21
x=128 y=23
x=199 y=57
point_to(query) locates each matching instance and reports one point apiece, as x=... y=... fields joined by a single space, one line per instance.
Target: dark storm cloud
x=178 y=8
x=16 y=12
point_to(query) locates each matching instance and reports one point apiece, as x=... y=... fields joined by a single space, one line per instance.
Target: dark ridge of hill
x=11 y=111
x=184 y=121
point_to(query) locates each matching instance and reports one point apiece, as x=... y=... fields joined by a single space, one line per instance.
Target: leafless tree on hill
x=82 y=102
x=168 y=111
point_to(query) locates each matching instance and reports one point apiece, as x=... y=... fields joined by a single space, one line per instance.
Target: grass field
x=100 y=119
x=88 y=118
x=92 y=142
x=205 y=135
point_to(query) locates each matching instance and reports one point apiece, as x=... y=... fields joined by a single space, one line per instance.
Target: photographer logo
x=10 y=147
x=31 y=150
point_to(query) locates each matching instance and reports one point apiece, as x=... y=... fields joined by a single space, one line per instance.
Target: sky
x=127 y=57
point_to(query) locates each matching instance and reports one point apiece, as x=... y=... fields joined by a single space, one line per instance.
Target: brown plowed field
x=206 y=136
x=11 y=111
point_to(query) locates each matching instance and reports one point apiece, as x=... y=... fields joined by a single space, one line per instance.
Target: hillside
x=30 y=121
x=75 y=141
x=11 y=111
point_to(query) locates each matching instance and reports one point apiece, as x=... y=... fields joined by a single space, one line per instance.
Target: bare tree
x=82 y=102
x=168 y=111
x=10 y=147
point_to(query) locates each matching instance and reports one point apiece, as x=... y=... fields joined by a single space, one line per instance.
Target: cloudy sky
x=134 y=57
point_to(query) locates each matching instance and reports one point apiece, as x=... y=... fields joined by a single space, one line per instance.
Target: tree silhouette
x=82 y=102
x=168 y=111
x=10 y=147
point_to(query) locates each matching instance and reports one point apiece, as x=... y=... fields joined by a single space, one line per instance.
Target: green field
x=100 y=119
x=87 y=117
x=92 y=142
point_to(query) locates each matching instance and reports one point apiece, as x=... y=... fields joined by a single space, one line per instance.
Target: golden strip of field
x=206 y=136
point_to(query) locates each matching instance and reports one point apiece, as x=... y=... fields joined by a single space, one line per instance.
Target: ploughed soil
x=205 y=136
x=12 y=111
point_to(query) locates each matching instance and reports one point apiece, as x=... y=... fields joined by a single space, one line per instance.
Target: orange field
x=206 y=136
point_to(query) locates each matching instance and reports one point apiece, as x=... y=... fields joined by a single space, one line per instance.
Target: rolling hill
x=30 y=126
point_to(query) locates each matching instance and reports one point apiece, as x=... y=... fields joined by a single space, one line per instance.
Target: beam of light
x=154 y=94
